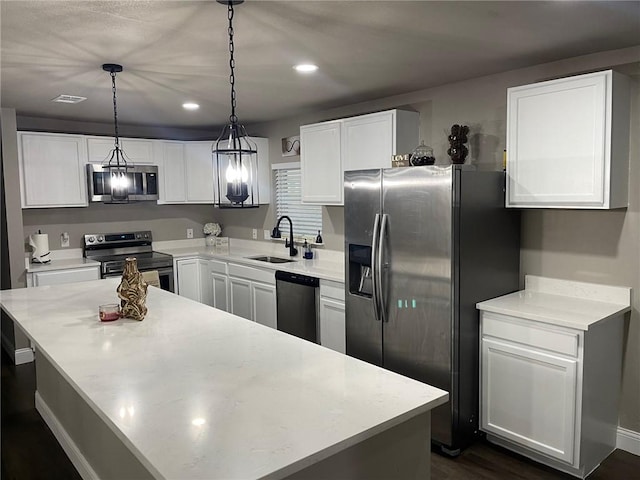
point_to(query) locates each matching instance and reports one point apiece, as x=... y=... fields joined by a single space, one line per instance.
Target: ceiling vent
x=68 y=99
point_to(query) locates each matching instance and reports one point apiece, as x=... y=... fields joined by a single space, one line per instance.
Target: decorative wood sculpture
x=132 y=291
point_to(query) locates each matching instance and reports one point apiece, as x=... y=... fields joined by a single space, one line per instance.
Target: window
x=307 y=219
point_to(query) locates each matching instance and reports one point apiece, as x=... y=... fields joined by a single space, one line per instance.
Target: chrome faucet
x=293 y=251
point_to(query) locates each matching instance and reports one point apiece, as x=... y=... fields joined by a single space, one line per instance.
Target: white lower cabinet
x=332 y=316
x=253 y=294
x=240 y=297
x=193 y=279
x=219 y=285
x=529 y=396
x=67 y=275
x=551 y=392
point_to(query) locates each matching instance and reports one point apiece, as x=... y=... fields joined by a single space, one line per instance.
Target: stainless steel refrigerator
x=422 y=246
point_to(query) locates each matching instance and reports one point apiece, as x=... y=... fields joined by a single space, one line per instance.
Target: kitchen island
x=194 y=392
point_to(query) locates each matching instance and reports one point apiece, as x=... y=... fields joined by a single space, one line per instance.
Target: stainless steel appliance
x=422 y=246
x=111 y=249
x=296 y=305
x=142 y=181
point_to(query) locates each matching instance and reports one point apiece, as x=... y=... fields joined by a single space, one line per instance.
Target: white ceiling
x=174 y=51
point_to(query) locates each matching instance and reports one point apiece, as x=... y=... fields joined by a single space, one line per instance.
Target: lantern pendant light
x=116 y=166
x=235 y=154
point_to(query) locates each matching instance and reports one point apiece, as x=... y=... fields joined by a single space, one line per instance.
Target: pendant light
x=116 y=166
x=235 y=154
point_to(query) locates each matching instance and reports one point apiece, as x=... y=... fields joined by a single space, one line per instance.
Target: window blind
x=307 y=219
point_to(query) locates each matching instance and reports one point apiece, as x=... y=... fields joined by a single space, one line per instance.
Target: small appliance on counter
x=39 y=242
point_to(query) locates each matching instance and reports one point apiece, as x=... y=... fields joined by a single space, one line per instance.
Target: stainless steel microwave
x=143 y=183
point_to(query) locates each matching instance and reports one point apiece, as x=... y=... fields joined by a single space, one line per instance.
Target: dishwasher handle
x=297 y=278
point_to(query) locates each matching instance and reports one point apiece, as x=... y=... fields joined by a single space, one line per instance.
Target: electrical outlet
x=189 y=232
x=64 y=240
x=254 y=234
x=267 y=234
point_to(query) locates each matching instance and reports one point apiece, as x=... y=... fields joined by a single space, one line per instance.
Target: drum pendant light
x=235 y=154
x=116 y=165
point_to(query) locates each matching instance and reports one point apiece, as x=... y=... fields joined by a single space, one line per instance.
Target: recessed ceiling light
x=68 y=99
x=190 y=106
x=306 y=68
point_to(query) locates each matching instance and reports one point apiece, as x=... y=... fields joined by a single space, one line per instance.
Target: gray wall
x=593 y=246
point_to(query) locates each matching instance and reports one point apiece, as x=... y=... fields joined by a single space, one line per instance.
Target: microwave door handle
x=374 y=260
x=380 y=267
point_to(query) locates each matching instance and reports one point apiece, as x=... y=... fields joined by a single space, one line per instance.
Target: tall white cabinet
x=52 y=172
x=550 y=371
x=568 y=142
x=328 y=149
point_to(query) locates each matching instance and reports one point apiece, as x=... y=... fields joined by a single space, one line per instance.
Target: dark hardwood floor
x=31 y=452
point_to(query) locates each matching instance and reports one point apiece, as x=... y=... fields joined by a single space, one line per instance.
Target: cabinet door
x=137 y=151
x=189 y=278
x=220 y=291
x=173 y=173
x=264 y=304
x=240 y=297
x=332 y=325
x=199 y=172
x=321 y=164
x=70 y=275
x=368 y=141
x=52 y=170
x=529 y=397
x=204 y=282
x=556 y=142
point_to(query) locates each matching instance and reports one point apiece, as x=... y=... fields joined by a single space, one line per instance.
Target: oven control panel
x=114 y=239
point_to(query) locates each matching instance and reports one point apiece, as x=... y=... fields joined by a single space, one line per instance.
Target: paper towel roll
x=40 y=244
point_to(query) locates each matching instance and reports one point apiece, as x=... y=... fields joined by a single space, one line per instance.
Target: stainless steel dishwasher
x=296 y=305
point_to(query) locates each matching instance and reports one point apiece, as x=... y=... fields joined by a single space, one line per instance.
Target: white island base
x=193 y=392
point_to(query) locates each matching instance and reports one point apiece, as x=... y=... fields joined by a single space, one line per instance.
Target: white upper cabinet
x=329 y=149
x=52 y=172
x=568 y=143
x=186 y=172
x=369 y=141
x=138 y=151
x=199 y=171
x=321 y=163
x=172 y=172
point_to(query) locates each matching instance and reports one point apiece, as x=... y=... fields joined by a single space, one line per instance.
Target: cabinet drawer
x=333 y=290
x=530 y=333
x=217 y=266
x=255 y=274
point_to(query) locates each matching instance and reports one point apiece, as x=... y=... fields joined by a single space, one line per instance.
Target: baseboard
x=628 y=440
x=20 y=355
x=65 y=441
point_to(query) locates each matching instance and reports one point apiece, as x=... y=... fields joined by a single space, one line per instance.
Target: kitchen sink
x=269 y=259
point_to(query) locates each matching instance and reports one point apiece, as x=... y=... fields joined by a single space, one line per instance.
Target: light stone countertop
x=563 y=303
x=61 y=264
x=327 y=265
x=207 y=394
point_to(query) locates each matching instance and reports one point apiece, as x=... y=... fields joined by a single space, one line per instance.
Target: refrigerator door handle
x=379 y=268
x=374 y=268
